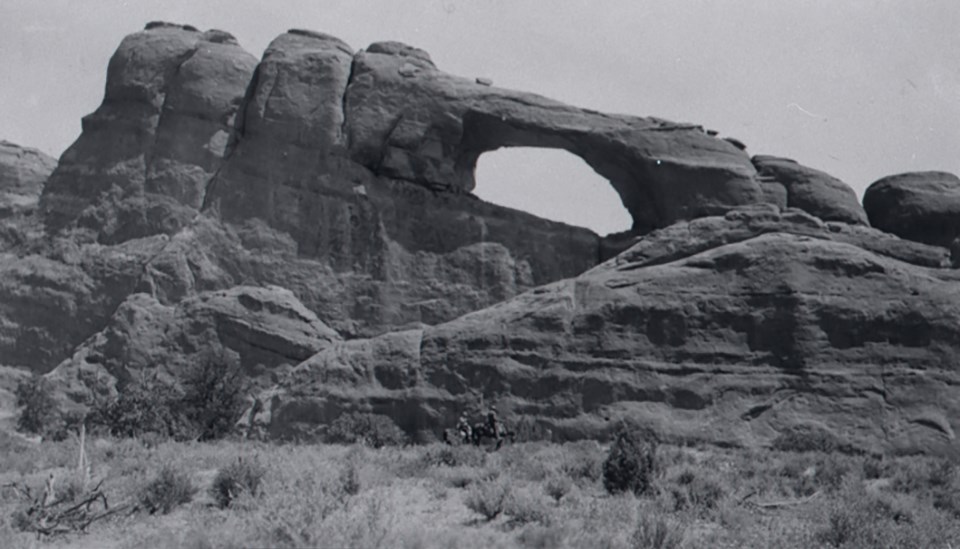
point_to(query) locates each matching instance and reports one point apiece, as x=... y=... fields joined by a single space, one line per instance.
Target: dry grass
x=525 y=495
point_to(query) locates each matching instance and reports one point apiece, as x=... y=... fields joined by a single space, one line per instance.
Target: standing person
x=463 y=428
x=493 y=423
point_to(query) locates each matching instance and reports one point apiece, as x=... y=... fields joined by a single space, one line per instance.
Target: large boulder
x=728 y=330
x=143 y=161
x=788 y=183
x=23 y=171
x=262 y=328
x=919 y=206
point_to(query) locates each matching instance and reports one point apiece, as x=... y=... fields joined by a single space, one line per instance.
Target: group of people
x=491 y=427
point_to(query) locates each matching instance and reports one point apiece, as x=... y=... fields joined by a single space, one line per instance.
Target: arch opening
x=553 y=184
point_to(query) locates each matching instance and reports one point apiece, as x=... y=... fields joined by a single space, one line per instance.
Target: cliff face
x=359 y=165
x=310 y=216
x=725 y=329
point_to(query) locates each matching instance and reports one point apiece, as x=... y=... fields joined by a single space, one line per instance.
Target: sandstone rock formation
x=261 y=328
x=145 y=156
x=919 y=206
x=51 y=302
x=720 y=329
x=408 y=120
x=787 y=183
x=23 y=172
x=310 y=216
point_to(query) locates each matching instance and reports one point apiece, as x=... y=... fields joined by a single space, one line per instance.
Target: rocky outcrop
x=310 y=217
x=918 y=206
x=51 y=302
x=143 y=161
x=787 y=183
x=23 y=172
x=408 y=120
x=721 y=329
x=343 y=152
x=260 y=328
x=355 y=247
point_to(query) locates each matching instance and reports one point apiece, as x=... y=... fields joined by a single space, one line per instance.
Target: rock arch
x=407 y=120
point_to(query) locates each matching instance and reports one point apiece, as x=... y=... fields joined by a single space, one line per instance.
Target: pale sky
x=859 y=89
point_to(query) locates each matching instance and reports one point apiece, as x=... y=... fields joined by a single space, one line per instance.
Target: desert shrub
x=802 y=475
x=455 y=456
x=857 y=518
x=524 y=508
x=374 y=430
x=40 y=413
x=935 y=479
x=582 y=460
x=830 y=472
x=656 y=532
x=630 y=465
x=206 y=406
x=488 y=498
x=214 y=397
x=808 y=437
x=947 y=501
x=557 y=486
x=872 y=467
x=145 y=405
x=70 y=487
x=921 y=474
x=349 y=479
x=169 y=489
x=20 y=520
x=240 y=477
x=541 y=537
x=695 y=492
x=459 y=477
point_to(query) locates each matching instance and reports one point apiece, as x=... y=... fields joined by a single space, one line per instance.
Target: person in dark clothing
x=463 y=428
x=493 y=423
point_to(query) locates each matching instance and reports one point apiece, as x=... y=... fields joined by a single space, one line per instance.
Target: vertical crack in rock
x=385 y=142
x=344 y=136
x=236 y=135
x=163 y=114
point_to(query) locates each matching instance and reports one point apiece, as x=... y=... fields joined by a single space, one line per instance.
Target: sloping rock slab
x=260 y=327
x=728 y=343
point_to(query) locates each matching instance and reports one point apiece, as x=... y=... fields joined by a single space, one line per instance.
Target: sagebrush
x=168 y=490
x=630 y=464
x=243 y=476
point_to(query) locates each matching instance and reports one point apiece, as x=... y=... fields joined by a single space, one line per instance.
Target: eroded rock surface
x=727 y=339
x=789 y=184
x=51 y=302
x=262 y=327
x=310 y=215
x=23 y=171
x=406 y=119
x=143 y=161
x=918 y=206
